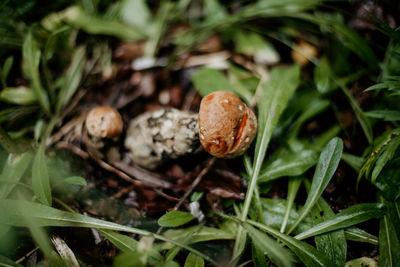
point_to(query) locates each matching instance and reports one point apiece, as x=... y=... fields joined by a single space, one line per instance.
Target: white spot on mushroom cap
x=240 y=107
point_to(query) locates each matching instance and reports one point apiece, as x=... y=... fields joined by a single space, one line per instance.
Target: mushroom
x=104 y=122
x=156 y=136
x=226 y=125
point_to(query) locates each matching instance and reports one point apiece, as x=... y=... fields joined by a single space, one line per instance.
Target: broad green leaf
x=214 y=11
x=353 y=215
x=31 y=57
x=332 y=244
x=193 y=260
x=326 y=167
x=129 y=259
x=129 y=244
x=169 y=264
x=322 y=76
x=207 y=81
x=93 y=24
x=12 y=172
x=388 y=180
x=175 y=218
x=20 y=95
x=263 y=242
x=253 y=44
x=359 y=235
x=274 y=97
x=386 y=115
x=203 y=233
x=123 y=242
x=389 y=243
x=393 y=214
x=142 y=17
x=72 y=78
x=40 y=177
x=12 y=214
x=308 y=254
x=288 y=163
x=76 y=180
x=274 y=212
x=258 y=257
x=293 y=188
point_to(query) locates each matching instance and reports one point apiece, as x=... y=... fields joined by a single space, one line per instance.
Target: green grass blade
x=73 y=77
x=308 y=254
x=293 y=188
x=274 y=98
x=289 y=164
x=326 y=167
x=31 y=56
x=48 y=216
x=274 y=251
x=93 y=24
x=40 y=177
x=346 y=218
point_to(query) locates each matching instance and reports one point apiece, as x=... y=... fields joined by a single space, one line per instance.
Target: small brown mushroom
x=226 y=125
x=104 y=122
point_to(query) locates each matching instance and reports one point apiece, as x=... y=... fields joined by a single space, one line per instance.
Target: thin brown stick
x=196 y=182
x=103 y=164
x=27 y=255
x=65 y=129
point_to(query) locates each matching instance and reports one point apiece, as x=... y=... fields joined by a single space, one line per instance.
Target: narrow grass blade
x=274 y=251
x=348 y=217
x=293 y=188
x=93 y=24
x=288 y=164
x=31 y=55
x=326 y=167
x=274 y=98
x=12 y=214
x=40 y=177
x=308 y=254
x=73 y=77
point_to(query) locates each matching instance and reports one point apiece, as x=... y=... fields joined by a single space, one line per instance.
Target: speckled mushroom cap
x=104 y=122
x=226 y=125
